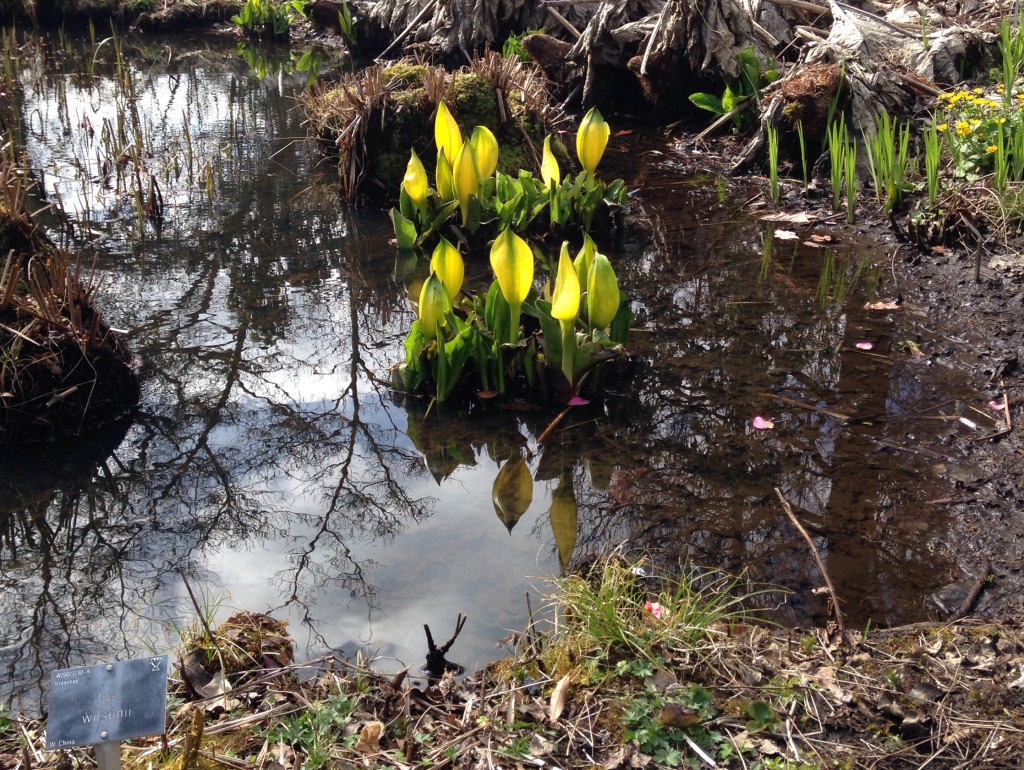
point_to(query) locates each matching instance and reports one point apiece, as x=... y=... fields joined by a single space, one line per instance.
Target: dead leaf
x=817 y=238
x=285 y=755
x=785 y=235
x=540 y=746
x=678 y=716
x=615 y=760
x=369 y=738
x=767 y=747
x=794 y=218
x=887 y=305
x=557 y=703
x=661 y=680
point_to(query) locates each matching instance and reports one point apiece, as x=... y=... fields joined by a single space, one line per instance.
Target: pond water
x=270 y=468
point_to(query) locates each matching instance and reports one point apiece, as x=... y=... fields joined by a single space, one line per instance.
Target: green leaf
x=405 y=230
x=438 y=218
x=497 y=313
x=619 y=331
x=549 y=327
x=762 y=716
x=730 y=99
x=708 y=102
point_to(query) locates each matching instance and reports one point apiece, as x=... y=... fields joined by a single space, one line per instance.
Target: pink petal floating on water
x=762 y=424
x=996 y=406
x=864 y=345
x=577 y=401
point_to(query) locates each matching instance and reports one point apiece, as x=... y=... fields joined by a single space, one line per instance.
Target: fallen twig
x=972 y=597
x=401 y=35
x=1006 y=405
x=554 y=424
x=809 y=407
x=817 y=557
x=803 y=6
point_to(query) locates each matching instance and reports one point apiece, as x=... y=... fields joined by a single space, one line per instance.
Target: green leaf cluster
x=746 y=90
x=267 y=18
x=472 y=351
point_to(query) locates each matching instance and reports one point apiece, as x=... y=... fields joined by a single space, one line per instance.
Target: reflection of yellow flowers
x=991 y=148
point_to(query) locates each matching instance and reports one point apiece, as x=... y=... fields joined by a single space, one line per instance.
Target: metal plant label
x=107 y=702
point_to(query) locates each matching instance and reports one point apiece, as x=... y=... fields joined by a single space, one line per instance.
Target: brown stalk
x=9 y=279
x=817 y=558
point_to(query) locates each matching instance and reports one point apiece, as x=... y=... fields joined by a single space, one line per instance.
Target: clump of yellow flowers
x=983 y=133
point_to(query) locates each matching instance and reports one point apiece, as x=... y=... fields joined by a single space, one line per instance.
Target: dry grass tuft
x=61 y=368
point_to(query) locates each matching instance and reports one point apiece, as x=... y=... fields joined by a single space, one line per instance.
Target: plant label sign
x=107 y=702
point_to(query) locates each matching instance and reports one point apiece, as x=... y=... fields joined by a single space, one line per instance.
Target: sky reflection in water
x=269 y=463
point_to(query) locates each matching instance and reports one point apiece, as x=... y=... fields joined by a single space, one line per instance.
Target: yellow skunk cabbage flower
x=565 y=302
x=585 y=258
x=485 y=150
x=434 y=304
x=549 y=170
x=447 y=135
x=512 y=262
x=443 y=178
x=466 y=181
x=591 y=139
x=446 y=262
x=602 y=293
x=565 y=306
x=415 y=181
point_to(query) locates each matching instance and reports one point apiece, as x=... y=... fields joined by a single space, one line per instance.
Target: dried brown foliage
x=61 y=368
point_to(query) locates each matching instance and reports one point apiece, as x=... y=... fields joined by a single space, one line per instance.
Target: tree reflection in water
x=267 y=445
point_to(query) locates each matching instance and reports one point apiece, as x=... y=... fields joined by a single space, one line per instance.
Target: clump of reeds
x=62 y=369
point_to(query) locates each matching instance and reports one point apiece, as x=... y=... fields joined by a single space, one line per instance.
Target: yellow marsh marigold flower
x=963 y=128
x=1000 y=121
x=942 y=127
x=991 y=148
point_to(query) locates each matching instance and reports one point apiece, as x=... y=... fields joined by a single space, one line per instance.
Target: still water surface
x=270 y=465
